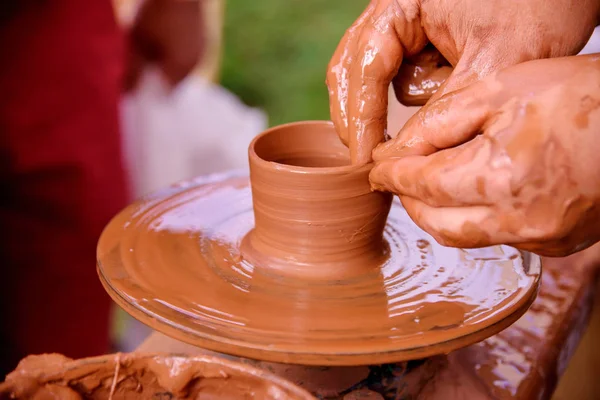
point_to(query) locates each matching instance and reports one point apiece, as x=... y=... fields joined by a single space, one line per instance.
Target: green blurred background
x=276 y=53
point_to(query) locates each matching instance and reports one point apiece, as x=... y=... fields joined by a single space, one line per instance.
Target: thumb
x=445 y=121
x=420 y=76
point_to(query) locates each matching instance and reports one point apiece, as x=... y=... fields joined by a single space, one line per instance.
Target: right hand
x=475 y=37
x=516 y=160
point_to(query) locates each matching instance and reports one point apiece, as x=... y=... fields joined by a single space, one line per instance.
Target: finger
x=380 y=49
x=476 y=226
x=462 y=227
x=451 y=226
x=548 y=249
x=421 y=76
x=451 y=120
x=457 y=177
x=337 y=74
x=460 y=77
x=455 y=112
x=476 y=64
x=567 y=238
x=367 y=108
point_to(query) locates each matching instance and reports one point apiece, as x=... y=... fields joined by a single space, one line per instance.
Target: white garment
x=198 y=128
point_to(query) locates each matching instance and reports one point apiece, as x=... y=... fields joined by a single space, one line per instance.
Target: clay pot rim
x=254 y=158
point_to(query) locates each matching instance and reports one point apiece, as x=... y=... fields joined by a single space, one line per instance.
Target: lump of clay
x=143 y=376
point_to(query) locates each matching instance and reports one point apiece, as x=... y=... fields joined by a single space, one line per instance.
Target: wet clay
x=177 y=261
x=315 y=215
x=135 y=376
x=393 y=381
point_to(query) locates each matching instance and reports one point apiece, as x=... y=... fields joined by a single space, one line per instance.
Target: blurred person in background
x=64 y=65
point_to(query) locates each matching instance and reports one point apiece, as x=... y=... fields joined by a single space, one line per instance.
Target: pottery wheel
x=172 y=260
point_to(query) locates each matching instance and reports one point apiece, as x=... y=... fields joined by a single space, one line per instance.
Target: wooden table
x=524 y=361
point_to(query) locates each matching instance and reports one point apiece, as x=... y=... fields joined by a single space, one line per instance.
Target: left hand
x=512 y=159
x=169 y=34
x=475 y=37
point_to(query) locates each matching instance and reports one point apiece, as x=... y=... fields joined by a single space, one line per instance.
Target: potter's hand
x=476 y=37
x=362 y=67
x=166 y=33
x=518 y=161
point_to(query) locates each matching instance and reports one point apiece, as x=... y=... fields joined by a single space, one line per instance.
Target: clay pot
x=315 y=213
x=144 y=376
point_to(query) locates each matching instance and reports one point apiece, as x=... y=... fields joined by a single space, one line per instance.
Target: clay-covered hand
x=166 y=33
x=476 y=37
x=518 y=160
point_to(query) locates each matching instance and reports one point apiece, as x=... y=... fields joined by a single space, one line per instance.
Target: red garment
x=61 y=174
